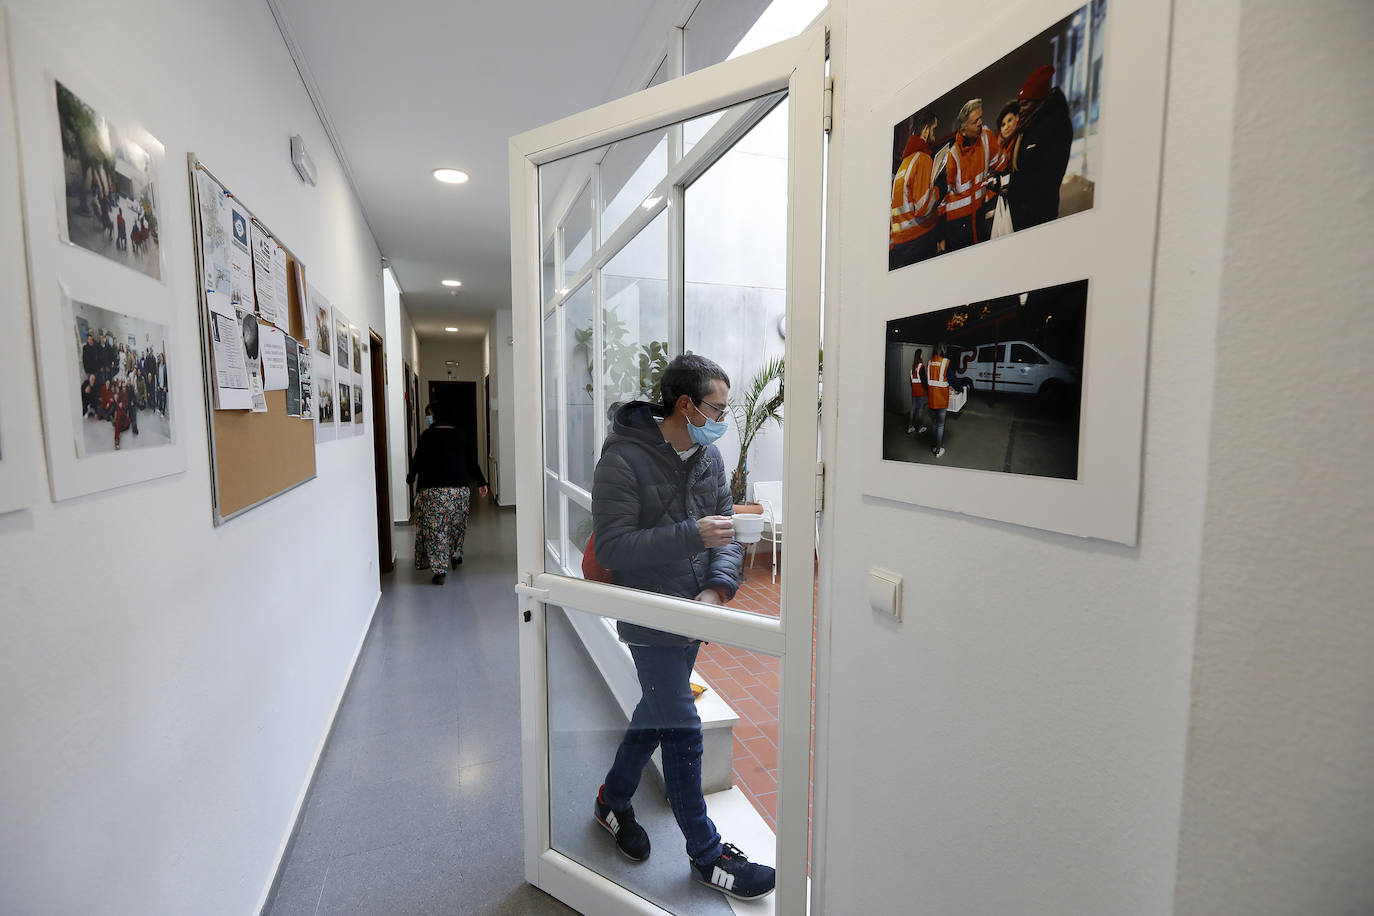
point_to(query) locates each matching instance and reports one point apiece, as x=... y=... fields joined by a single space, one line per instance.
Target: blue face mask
x=705 y=435
x=429 y=421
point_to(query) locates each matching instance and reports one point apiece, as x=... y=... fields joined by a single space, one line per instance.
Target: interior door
x=642 y=229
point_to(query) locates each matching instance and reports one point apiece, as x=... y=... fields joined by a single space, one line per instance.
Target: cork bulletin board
x=254 y=457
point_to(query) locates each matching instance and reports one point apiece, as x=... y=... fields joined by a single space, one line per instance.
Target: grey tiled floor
x=416 y=807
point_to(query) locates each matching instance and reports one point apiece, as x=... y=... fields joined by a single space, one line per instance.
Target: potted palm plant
x=758 y=405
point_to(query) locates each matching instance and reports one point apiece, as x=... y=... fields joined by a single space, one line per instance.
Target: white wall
x=167 y=684
x=401 y=351
x=1016 y=743
x=503 y=413
x=1278 y=812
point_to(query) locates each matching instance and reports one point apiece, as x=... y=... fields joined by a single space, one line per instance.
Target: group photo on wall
x=1014 y=147
x=110 y=187
x=991 y=386
x=121 y=367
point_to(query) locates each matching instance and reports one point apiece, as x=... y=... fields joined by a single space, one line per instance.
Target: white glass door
x=684 y=218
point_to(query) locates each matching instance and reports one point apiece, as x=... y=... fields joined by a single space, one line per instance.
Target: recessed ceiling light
x=451 y=176
x=451 y=330
x=453 y=282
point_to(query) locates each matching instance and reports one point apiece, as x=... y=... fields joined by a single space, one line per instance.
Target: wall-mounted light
x=452 y=282
x=451 y=330
x=451 y=176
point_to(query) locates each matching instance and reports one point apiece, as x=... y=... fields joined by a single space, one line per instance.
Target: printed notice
x=240 y=258
x=264 y=251
x=214 y=235
x=282 y=278
x=274 y=370
x=252 y=357
x=293 y=378
x=231 y=375
x=307 y=384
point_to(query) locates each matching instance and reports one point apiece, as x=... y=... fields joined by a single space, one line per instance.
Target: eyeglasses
x=720 y=411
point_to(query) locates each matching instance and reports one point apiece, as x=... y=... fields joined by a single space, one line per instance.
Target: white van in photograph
x=1017 y=367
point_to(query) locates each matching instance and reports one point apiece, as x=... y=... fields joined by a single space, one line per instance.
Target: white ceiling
x=408 y=86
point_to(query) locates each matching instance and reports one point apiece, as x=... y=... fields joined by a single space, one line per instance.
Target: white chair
x=768 y=494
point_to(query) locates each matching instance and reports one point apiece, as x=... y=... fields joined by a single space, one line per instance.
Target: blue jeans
x=915 y=418
x=666 y=716
x=937 y=420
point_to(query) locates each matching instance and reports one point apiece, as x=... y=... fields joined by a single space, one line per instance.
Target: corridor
x=416 y=806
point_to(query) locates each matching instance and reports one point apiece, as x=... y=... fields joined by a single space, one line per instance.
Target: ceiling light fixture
x=453 y=282
x=451 y=176
x=451 y=330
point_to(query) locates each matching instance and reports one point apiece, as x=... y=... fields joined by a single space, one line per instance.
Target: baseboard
x=288 y=841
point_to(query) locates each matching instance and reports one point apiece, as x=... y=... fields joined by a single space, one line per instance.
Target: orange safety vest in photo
x=937 y=383
x=966 y=171
x=917 y=389
x=915 y=200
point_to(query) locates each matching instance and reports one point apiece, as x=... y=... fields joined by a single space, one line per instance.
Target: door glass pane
x=602 y=734
x=629 y=173
x=553 y=520
x=635 y=315
x=736 y=254
x=579 y=531
x=577 y=234
x=725 y=29
x=550 y=371
x=735 y=268
x=578 y=362
x=547 y=275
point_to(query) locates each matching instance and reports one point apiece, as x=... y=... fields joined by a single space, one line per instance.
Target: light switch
x=885 y=591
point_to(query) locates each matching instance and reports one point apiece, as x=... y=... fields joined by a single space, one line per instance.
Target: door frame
x=386 y=553
x=798 y=66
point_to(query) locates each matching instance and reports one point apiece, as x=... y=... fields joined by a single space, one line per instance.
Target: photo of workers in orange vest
x=960 y=178
x=989 y=386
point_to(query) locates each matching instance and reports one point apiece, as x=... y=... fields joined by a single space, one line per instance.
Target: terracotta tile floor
x=749 y=683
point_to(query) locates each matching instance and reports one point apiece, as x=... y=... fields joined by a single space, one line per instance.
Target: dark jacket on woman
x=645 y=504
x=1040 y=156
x=445 y=458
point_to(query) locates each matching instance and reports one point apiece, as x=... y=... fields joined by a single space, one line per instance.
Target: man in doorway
x=661 y=511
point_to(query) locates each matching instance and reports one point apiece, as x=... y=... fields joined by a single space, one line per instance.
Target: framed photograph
x=120 y=364
x=319 y=312
x=341 y=339
x=82 y=149
x=326 y=408
x=358 y=405
x=355 y=340
x=992 y=386
x=1043 y=311
x=345 y=403
x=1012 y=147
x=109 y=184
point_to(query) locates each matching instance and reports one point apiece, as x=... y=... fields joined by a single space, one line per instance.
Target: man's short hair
x=691 y=375
x=923 y=119
x=966 y=112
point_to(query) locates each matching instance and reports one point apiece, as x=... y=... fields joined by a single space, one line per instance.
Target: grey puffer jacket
x=645 y=505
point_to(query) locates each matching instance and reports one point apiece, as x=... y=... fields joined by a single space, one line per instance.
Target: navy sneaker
x=630 y=838
x=735 y=876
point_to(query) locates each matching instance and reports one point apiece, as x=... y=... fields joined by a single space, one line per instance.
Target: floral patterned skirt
x=441 y=524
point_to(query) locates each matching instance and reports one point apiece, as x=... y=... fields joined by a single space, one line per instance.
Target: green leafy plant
x=751 y=413
x=633 y=370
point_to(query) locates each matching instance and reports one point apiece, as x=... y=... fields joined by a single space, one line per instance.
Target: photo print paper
x=1009 y=149
x=120 y=363
x=991 y=386
x=111 y=189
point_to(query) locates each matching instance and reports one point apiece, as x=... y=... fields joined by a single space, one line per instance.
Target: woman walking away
x=446 y=464
x=918 y=398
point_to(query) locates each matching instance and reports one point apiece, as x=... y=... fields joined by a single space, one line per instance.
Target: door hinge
x=820 y=485
x=528 y=594
x=828 y=116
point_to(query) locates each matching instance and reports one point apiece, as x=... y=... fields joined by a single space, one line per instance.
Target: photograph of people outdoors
x=992 y=386
x=1011 y=148
x=122 y=377
x=110 y=186
x=341 y=340
x=322 y=328
x=345 y=408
